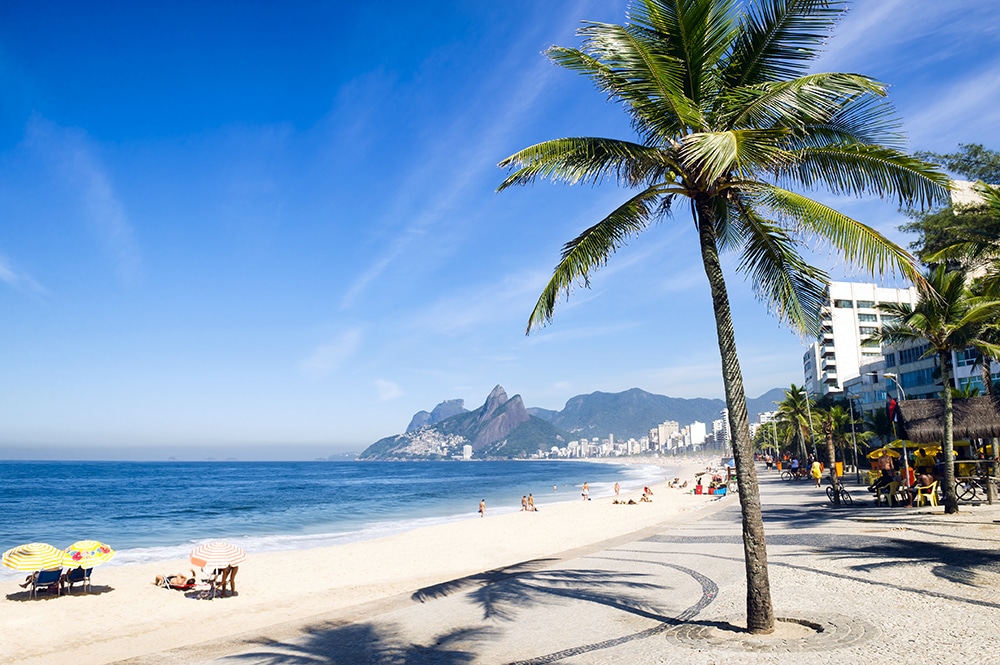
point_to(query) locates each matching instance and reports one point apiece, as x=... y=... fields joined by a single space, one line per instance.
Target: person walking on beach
x=524 y=503
x=482 y=508
x=617 y=489
x=586 y=492
x=531 y=503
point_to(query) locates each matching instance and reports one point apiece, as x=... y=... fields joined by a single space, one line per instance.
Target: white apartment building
x=848 y=319
x=697 y=433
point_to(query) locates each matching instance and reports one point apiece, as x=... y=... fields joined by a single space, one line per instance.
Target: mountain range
x=503 y=428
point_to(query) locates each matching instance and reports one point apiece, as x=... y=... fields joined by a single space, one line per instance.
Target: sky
x=271 y=230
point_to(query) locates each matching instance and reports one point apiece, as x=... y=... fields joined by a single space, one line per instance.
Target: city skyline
x=274 y=231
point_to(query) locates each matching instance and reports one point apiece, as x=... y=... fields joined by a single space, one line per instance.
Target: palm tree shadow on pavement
x=501 y=592
x=363 y=644
x=956 y=564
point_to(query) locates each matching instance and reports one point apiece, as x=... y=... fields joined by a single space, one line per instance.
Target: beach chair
x=46 y=579
x=926 y=493
x=888 y=493
x=79 y=576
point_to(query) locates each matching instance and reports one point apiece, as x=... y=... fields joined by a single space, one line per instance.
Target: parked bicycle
x=845 y=496
x=970 y=489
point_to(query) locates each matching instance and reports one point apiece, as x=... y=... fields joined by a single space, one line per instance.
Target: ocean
x=153 y=511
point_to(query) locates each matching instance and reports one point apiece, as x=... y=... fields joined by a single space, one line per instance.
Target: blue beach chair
x=46 y=579
x=78 y=576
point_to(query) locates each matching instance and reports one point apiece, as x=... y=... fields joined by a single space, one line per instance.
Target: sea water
x=152 y=511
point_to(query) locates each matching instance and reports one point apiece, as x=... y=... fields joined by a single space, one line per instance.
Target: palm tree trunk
x=950 y=498
x=985 y=365
x=760 y=613
x=831 y=452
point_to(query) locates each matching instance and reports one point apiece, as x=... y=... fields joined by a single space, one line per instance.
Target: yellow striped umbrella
x=33 y=556
x=87 y=554
x=217 y=555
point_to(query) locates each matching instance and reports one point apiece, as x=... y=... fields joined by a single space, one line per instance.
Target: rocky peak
x=497 y=398
x=501 y=421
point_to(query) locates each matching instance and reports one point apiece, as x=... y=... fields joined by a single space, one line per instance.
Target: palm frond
x=573 y=160
x=803 y=103
x=794 y=290
x=779 y=38
x=697 y=34
x=714 y=155
x=856 y=169
x=860 y=244
x=636 y=70
x=592 y=248
x=866 y=119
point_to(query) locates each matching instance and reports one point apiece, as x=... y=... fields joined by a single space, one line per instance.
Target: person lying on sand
x=176 y=581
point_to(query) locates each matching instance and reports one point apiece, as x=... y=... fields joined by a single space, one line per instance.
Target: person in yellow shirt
x=923 y=462
x=816 y=471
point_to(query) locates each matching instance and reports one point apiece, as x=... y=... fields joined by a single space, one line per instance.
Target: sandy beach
x=126 y=616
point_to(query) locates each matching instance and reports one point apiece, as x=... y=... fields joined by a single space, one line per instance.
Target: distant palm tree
x=949 y=318
x=729 y=118
x=795 y=411
x=831 y=422
x=878 y=424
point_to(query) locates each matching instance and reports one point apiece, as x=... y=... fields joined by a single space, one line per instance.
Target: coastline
x=127 y=616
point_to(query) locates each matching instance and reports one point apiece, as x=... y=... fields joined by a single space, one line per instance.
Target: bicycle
x=797 y=474
x=968 y=489
x=845 y=496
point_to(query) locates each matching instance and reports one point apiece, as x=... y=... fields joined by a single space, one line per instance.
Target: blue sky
x=271 y=229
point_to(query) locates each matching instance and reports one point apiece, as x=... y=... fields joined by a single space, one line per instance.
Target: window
x=843 y=304
x=866 y=304
x=890 y=359
x=867 y=318
x=967 y=357
x=867 y=330
x=870 y=355
x=889 y=318
x=921 y=377
x=880 y=396
x=911 y=355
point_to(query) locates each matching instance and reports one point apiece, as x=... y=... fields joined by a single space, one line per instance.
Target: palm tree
x=878 y=424
x=831 y=422
x=727 y=119
x=948 y=317
x=795 y=412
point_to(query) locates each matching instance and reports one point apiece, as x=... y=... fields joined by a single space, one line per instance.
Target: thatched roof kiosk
x=974 y=418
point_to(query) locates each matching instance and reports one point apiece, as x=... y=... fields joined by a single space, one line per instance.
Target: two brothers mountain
x=503 y=428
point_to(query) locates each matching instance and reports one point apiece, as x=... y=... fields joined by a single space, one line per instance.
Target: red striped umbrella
x=217 y=555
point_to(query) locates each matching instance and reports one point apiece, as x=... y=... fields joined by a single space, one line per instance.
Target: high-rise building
x=849 y=318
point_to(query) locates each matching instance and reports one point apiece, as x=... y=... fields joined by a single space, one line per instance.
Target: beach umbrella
x=881 y=452
x=33 y=556
x=217 y=555
x=87 y=554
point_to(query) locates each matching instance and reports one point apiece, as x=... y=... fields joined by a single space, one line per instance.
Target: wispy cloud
x=934 y=124
x=19 y=280
x=387 y=390
x=328 y=358
x=451 y=168
x=75 y=159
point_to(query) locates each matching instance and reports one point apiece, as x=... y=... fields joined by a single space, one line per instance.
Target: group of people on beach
x=528 y=503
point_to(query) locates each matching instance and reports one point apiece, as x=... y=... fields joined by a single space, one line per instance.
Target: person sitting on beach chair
x=178 y=581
